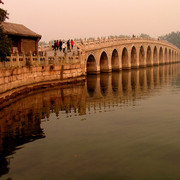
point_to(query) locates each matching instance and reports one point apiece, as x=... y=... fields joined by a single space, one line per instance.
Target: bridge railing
x=95 y=41
x=21 y=60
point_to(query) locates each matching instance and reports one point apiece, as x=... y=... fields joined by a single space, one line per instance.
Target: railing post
x=24 y=58
x=65 y=57
x=55 y=58
x=38 y=59
x=46 y=58
x=17 y=58
x=11 y=61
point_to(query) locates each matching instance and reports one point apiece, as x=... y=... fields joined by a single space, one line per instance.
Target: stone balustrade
x=21 y=60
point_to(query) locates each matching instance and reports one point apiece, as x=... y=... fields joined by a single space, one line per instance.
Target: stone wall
x=16 y=80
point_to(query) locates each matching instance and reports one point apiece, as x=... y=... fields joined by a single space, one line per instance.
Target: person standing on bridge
x=68 y=45
x=54 y=46
x=72 y=44
x=60 y=45
x=64 y=46
x=57 y=44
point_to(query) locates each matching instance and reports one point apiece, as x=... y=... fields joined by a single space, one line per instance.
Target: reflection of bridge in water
x=127 y=86
x=21 y=121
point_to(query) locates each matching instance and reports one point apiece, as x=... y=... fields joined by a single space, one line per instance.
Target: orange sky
x=64 y=19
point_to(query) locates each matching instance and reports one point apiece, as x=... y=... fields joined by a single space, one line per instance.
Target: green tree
x=173 y=38
x=4 y=41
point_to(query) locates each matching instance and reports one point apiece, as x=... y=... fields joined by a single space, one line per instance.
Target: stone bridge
x=105 y=55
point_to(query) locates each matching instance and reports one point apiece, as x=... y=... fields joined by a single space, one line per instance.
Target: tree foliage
x=143 y=35
x=4 y=41
x=3 y=15
x=173 y=38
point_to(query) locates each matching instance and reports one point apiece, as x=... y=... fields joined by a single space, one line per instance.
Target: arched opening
x=115 y=60
x=155 y=55
x=165 y=55
x=141 y=56
x=149 y=54
x=91 y=84
x=104 y=62
x=160 y=55
x=170 y=56
x=91 y=65
x=133 y=57
x=124 y=58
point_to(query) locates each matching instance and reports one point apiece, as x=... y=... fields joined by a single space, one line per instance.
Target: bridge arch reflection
x=131 y=84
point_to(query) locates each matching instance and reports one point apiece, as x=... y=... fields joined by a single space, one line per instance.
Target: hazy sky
x=64 y=19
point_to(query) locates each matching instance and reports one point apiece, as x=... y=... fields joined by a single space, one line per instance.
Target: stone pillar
x=158 y=49
x=46 y=58
x=24 y=58
x=17 y=58
x=66 y=57
x=129 y=59
x=11 y=61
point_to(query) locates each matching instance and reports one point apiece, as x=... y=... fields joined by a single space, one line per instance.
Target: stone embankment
x=22 y=74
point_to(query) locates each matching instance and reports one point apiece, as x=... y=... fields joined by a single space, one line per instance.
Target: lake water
x=117 y=126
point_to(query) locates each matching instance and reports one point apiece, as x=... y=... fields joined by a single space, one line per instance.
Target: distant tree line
x=173 y=38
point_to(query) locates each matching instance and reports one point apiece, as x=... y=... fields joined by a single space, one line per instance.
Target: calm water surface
x=114 y=126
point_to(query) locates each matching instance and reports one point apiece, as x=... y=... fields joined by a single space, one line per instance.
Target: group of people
x=61 y=45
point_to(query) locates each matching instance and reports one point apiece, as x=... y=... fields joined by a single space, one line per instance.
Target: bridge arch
x=105 y=56
x=91 y=65
x=115 y=60
x=149 y=56
x=155 y=56
x=165 y=56
x=141 y=57
x=124 y=58
x=169 y=56
x=172 y=55
x=104 y=62
x=160 y=55
x=133 y=57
